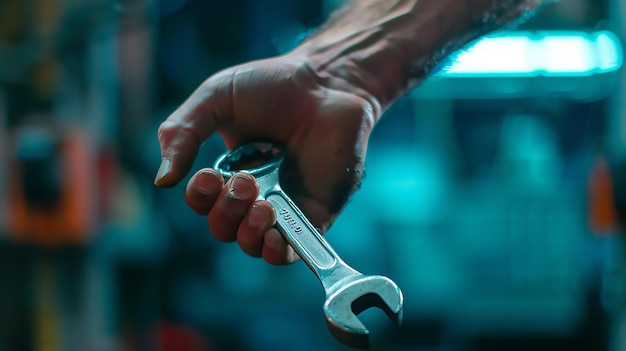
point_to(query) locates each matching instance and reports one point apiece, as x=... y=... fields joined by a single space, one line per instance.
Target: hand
x=323 y=121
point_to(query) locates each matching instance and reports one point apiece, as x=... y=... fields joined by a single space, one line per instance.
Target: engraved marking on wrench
x=297 y=230
x=292 y=222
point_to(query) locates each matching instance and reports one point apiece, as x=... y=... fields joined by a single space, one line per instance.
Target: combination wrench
x=348 y=292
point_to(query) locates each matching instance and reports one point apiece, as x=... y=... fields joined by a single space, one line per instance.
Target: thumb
x=182 y=133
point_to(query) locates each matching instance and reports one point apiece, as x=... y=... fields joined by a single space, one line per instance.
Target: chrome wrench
x=348 y=292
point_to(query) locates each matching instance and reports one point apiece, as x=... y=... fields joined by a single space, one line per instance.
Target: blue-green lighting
x=543 y=53
x=610 y=54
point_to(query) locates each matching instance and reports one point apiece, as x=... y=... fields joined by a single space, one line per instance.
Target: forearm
x=386 y=47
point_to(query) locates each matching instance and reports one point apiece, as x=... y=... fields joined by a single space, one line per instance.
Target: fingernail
x=257 y=216
x=207 y=184
x=164 y=170
x=240 y=187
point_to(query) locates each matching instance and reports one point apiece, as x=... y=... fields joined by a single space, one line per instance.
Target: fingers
x=259 y=219
x=231 y=206
x=276 y=250
x=235 y=214
x=181 y=134
x=203 y=189
x=258 y=238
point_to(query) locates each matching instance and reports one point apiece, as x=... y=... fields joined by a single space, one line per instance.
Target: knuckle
x=170 y=130
x=361 y=112
x=167 y=130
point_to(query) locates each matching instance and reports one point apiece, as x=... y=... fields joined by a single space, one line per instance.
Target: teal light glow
x=543 y=53
x=610 y=54
x=494 y=55
x=565 y=55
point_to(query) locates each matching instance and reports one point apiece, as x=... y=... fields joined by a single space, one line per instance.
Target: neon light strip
x=532 y=54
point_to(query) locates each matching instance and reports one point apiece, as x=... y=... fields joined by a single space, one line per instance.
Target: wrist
x=390 y=55
x=385 y=55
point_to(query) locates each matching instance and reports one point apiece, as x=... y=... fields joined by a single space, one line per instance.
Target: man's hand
x=321 y=101
x=324 y=127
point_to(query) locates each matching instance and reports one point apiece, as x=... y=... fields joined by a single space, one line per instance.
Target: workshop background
x=502 y=229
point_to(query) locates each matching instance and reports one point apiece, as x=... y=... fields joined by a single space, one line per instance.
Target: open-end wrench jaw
x=348 y=292
x=344 y=303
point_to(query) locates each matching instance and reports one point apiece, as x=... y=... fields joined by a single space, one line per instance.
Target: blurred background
x=504 y=228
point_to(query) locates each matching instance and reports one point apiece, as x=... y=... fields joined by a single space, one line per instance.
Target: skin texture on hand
x=321 y=102
x=325 y=130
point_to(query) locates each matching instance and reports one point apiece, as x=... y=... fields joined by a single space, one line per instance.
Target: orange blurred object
x=600 y=195
x=71 y=219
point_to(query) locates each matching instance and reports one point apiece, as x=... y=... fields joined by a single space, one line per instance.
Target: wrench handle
x=306 y=241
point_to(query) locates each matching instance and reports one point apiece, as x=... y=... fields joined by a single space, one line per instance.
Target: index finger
x=182 y=133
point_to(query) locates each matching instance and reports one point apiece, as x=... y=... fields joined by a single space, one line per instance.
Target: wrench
x=348 y=292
